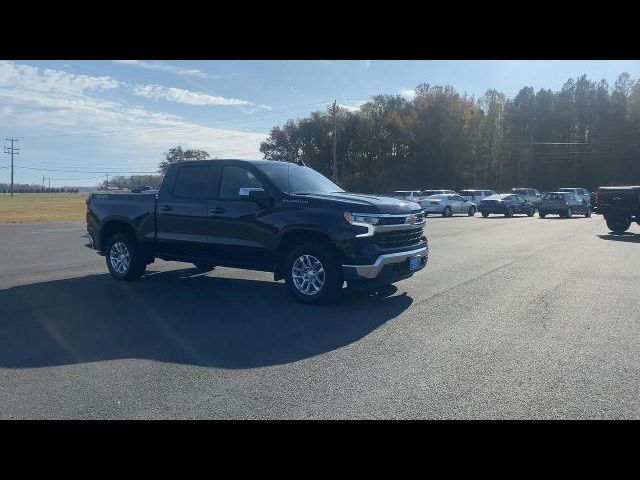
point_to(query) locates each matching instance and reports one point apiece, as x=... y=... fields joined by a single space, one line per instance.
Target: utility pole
x=49 y=184
x=13 y=151
x=334 y=166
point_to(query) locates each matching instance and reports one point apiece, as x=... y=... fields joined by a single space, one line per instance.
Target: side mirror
x=247 y=193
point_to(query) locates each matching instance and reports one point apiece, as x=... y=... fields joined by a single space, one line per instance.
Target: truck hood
x=360 y=203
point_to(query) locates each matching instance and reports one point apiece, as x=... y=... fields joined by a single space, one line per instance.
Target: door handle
x=217 y=210
x=166 y=208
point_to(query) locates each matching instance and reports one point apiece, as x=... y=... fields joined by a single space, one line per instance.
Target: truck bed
x=619 y=198
x=136 y=209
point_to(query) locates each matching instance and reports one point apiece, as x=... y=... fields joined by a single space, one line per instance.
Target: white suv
x=476 y=196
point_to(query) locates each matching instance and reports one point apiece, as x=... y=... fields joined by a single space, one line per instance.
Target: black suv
x=261 y=215
x=564 y=204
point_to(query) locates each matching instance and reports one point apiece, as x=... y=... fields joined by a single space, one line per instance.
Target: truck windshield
x=292 y=178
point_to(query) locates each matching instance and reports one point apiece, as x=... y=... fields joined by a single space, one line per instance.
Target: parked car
x=476 y=196
x=582 y=192
x=564 y=204
x=428 y=193
x=411 y=195
x=506 y=204
x=447 y=205
x=530 y=194
x=620 y=206
x=142 y=189
x=261 y=215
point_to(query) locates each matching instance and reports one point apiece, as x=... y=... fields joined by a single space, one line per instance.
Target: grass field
x=35 y=207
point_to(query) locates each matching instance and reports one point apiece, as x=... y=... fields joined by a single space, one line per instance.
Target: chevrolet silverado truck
x=262 y=215
x=620 y=206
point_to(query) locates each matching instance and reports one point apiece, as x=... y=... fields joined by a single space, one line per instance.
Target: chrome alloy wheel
x=308 y=274
x=120 y=258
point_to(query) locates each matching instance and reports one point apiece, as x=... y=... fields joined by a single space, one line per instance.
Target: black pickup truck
x=261 y=215
x=619 y=206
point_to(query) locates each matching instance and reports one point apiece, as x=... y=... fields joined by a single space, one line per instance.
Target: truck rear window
x=193 y=182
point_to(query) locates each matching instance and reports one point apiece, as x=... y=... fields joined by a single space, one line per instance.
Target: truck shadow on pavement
x=622 y=237
x=180 y=317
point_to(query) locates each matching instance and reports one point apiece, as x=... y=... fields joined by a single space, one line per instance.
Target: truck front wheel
x=313 y=274
x=618 y=224
x=123 y=258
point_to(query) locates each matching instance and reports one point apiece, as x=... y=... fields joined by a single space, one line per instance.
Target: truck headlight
x=355 y=218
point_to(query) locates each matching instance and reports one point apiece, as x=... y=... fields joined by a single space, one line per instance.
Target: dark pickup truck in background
x=261 y=215
x=620 y=206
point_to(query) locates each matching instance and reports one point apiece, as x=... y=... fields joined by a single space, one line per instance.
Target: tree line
x=25 y=188
x=586 y=134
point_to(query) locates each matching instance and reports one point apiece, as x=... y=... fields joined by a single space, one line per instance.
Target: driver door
x=237 y=236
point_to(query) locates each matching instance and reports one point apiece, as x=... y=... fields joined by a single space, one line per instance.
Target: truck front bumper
x=391 y=266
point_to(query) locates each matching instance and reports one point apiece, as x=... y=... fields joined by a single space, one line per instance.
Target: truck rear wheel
x=123 y=258
x=618 y=224
x=313 y=274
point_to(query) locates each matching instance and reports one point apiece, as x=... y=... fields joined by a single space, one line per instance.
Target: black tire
x=203 y=266
x=531 y=212
x=485 y=214
x=332 y=283
x=541 y=214
x=618 y=224
x=587 y=213
x=136 y=265
x=447 y=212
x=472 y=211
x=509 y=213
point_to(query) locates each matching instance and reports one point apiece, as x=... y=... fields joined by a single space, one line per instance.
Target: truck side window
x=193 y=182
x=235 y=178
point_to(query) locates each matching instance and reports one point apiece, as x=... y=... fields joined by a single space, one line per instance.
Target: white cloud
x=54 y=102
x=35 y=79
x=352 y=108
x=408 y=93
x=191 y=72
x=188 y=97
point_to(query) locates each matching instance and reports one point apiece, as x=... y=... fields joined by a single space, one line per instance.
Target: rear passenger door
x=461 y=203
x=181 y=229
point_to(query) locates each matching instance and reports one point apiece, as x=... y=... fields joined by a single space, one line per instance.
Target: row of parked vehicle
x=564 y=202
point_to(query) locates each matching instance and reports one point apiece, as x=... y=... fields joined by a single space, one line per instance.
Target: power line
x=104 y=172
x=13 y=151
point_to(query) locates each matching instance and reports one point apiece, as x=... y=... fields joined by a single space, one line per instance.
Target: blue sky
x=85 y=118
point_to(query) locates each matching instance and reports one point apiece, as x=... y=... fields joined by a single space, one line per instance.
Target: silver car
x=448 y=205
x=411 y=195
x=529 y=194
x=583 y=193
x=476 y=196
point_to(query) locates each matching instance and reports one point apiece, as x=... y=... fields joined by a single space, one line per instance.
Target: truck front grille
x=398 y=238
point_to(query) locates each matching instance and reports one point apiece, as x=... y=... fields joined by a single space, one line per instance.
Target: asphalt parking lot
x=512 y=318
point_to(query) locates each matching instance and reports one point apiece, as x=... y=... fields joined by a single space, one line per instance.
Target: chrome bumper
x=373 y=270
